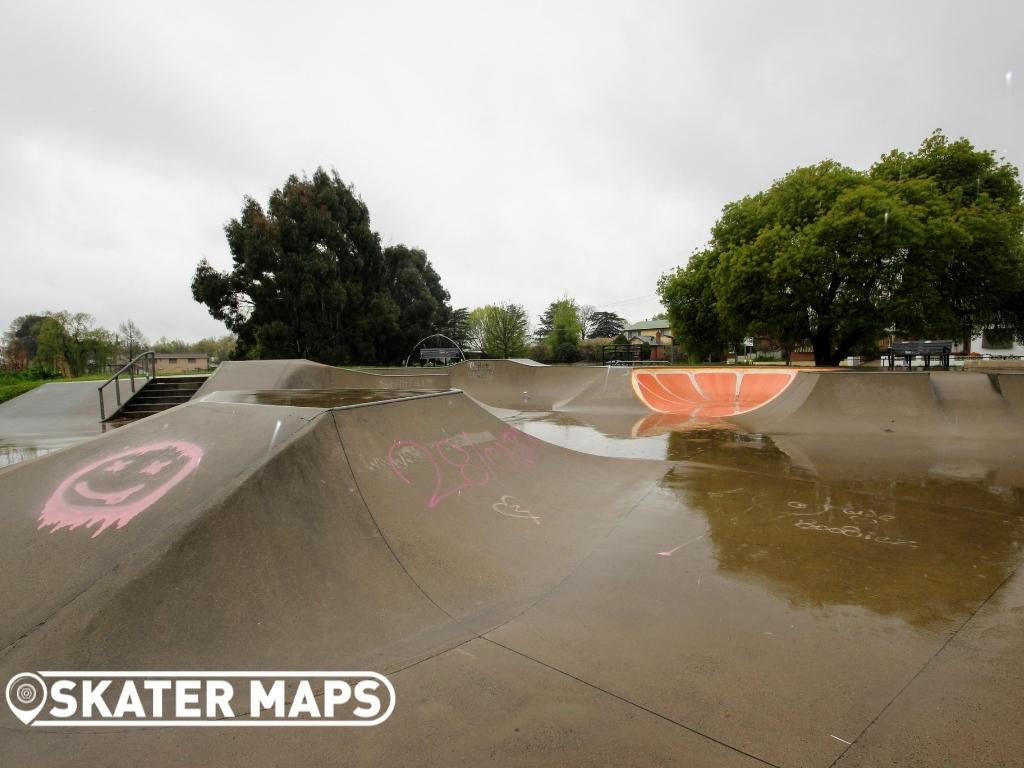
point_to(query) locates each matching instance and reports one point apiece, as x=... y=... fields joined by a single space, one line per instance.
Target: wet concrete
x=729 y=597
x=835 y=577
x=66 y=415
x=13 y=454
x=51 y=417
x=318 y=398
x=19 y=451
x=939 y=463
x=587 y=433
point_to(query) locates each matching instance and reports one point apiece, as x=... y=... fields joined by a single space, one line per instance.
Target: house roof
x=649 y=325
x=666 y=340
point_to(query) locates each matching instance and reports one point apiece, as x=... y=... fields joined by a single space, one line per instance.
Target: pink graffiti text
x=458 y=463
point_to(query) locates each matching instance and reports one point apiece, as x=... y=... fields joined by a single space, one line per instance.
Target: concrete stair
x=159 y=395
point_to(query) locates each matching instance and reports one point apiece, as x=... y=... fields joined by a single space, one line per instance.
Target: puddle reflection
x=15 y=454
x=318 y=398
x=909 y=528
x=826 y=544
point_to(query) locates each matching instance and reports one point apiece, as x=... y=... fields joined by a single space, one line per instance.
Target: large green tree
x=566 y=331
x=20 y=341
x=310 y=279
x=689 y=293
x=566 y=326
x=65 y=342
x=546 y=321
x=422 y=301
x=504 y=328
x=604 y=325
x=475 y=328
x=459 y=327
x=924 y=244
x=814 y=257
x=971 y=257
x=53 y=342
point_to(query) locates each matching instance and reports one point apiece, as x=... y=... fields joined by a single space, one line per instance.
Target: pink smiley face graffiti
x=119 y=487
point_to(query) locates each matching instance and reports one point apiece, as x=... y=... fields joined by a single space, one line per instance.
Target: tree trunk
x=844 y=347
x=821 y=343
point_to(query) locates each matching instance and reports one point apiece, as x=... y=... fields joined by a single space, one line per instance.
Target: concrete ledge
x=994 y=364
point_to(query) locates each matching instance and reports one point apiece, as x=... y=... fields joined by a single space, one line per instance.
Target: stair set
x=158 y=395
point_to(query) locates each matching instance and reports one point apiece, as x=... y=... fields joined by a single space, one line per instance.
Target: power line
x=628 y=301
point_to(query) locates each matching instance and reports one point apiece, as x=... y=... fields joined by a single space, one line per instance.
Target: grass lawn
x=9 y=389
x=90 y=377
x=14 y=384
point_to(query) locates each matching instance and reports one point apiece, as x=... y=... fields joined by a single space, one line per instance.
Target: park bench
x=926 y=349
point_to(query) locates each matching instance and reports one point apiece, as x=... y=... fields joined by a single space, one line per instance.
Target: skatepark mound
x=267 y=375
x=619 y=401
x=512 y=385
x=939 y=405
x=183 y=541
x=509 y=384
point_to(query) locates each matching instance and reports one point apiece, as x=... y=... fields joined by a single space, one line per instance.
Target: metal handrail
x=149 y=370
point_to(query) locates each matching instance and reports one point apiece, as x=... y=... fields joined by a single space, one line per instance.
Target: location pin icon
x=26 y=696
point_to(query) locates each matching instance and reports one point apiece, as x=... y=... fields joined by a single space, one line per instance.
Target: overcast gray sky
x=531 y=148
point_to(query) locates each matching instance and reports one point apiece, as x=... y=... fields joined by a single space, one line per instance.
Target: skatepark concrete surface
x=829 y=578
x=50 y=417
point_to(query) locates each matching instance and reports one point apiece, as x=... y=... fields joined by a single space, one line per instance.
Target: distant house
x=181 y=362
x=995 y=342
x=651 y=331
x=656 y=333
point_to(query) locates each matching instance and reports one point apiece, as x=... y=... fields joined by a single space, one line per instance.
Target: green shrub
x=567 y=352
x=27 y=374
x=13 y=389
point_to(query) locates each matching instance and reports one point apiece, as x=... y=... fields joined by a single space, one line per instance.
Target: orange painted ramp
x=708 y=392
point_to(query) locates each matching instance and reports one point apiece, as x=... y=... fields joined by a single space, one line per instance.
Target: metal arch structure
x=432 y=336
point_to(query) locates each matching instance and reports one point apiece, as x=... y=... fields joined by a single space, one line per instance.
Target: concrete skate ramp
x=923 y=404
x=51 y=417
x=145 y=523
x=303 y=374
x=833 y=401
x=765 y=400
x=225 y=535
x=67 y=409
x=1011 y=386
x=531 y=605
x=513 y=385
x=508 y=384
